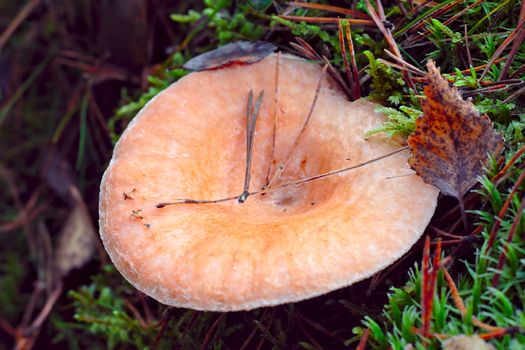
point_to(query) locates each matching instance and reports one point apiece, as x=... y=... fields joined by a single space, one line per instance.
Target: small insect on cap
x=289 y=242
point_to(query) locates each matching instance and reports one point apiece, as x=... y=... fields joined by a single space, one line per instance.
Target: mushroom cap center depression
x=205 y=125
x=290 y=244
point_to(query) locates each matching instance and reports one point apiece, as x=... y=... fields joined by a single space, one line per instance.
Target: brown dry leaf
x=60 y=176
x=77 y=241
x=451 y=141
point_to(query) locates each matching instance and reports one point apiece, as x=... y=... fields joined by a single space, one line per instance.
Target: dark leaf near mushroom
x=59 y=175
x=240 y=52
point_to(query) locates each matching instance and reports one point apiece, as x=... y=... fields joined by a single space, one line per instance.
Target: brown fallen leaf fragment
x=76 y=244
x=451 y=141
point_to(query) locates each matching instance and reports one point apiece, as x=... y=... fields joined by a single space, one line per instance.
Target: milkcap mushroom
x=283 y=245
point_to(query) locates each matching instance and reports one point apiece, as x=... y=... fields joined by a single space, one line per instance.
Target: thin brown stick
x=185 y=334
x=334 y=73
x=7 y=328
x=248 y=340
x=263 y=339
x=303 y=48
x=199 y=201
x=463 y=212
x=329 y=8
x=379 y=20
x=163 y=324
x=149 y=318
x=509 y=164
x=275 y=109
x=458 y=301
x=301 y=133
x=308 y=335
x=382 y=275
x=514 y=95
x=425 y=319
x=136 y=313
x=15 y=23
x=405 y=64
x=435 y=14
x=288 y=184
x=515 y=45
x=46 y=310
x=355 y=71
x=343 y=51
x=477 y=68
x=417 y=37
x=397 y=66
x=467 y=47
x=319 y=327
x=361 y=22
x=517 y=73
x=212 y=329
x=500 y=332
x=428 y=285
x=415 y=9
x=339 y=171
x=251 y=120
x=460 y=305
x=31 y=304
x=308 y=50
x=363 y=340
x=356 y=85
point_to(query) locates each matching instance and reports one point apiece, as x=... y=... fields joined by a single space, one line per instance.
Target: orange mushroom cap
x=286 y=245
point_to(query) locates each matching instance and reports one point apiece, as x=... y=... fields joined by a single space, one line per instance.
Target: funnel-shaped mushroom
x=286 y=245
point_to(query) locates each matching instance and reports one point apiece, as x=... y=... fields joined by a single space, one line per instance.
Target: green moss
x=388 y=86
x=501 y=306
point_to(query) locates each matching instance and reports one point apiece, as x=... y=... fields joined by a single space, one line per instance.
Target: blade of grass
x=15 y=23
x=83 y=130
x=503 y=212
x=421 y=18
x=515 y=45
x=329 y=8
x=72 y=107
x=437 y=13
x=489 y=15
x=23 y=88
x=417 y=37
x=510 y=237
